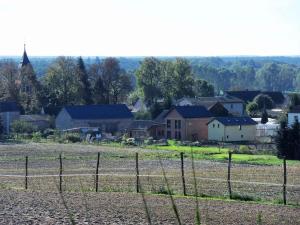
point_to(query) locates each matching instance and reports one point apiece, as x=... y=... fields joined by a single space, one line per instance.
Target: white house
x=230 y=129
x=293 y=115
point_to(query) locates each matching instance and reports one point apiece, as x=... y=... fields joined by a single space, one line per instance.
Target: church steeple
x=25 y=61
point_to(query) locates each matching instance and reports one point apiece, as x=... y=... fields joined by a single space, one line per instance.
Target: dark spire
x=25 y=61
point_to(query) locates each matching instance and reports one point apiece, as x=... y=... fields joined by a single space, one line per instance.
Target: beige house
x=230 y=129
x=187 y=123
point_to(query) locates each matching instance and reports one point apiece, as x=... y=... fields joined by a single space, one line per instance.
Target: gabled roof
x=295 y=109
x=143 y=124
x=9 y=107
x=118 y=111
x=248 y=96
x=195 y=111
x=235 y=121
x=160 y=118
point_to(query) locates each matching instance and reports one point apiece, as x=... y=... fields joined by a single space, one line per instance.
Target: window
x=168 y=123
x=177 y=124
x=231 y=106
x=218 y=125
x=227 y=137
x=240 y=127
x=242 y=136
x=213 y=125
x=168 y=134
x=296 y=118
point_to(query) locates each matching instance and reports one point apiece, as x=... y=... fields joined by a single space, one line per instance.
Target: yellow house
x=230 y=129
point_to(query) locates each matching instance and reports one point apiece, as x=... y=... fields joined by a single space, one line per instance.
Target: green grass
x=216 y=154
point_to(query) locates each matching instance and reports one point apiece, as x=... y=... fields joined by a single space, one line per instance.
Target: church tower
x=28 y=85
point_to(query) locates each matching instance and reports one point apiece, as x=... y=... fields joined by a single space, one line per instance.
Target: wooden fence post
x=182 y=174
x=228 y=174
x=60 y=173
x=26 y=172
x=97 y=171
x=137 y=172
x=284 y=181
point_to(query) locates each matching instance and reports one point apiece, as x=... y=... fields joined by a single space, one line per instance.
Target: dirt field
x=41 y=203
x=19 y=207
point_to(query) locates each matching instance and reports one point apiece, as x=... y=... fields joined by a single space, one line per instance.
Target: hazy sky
x=150 y=27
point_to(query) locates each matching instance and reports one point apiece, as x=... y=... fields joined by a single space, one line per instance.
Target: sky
x=150 y=27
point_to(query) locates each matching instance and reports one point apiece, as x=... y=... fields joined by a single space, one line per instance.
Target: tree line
x=68 y=81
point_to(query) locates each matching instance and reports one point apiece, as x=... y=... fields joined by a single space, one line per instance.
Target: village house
x=146 y=128
x=109 y=118
x=187 y=123
x=294 y=115
x=230 y=129
x=9 y=112
x=233 y=105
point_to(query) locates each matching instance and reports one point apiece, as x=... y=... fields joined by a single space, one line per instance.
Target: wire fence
x=132 y=172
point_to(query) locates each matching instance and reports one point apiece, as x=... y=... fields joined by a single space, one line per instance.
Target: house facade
x=231 y=129
x=108 y=118
x=233 y=105
x=187 y=123
x=9 y=112
x=294 y=115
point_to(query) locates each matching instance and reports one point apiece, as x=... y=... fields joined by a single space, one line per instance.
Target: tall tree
x=84 y=86
x=202 y=88
x=60 y=83
x=263 y=102
x=149 y=79
x=9 y=81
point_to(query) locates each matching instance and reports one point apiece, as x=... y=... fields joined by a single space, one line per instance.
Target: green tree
x=294 y=100
x=60 y=83
x=202 y=88
x=113 y=84
x=288 y=141
x=149 y=79
x=264 y=117
x=84 y=86
x=183 y=79
x=263 y=102
x=252 y=108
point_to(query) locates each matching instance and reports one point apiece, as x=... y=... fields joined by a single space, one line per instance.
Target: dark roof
x=9 y=107
x=25 y=61
x=276 y=96
x=233 y=121
x=295 y=109
x=161 y=117
x=210 y=101
x=197 y=111
x=143 y=124
x=248 y=96
x=118 y=111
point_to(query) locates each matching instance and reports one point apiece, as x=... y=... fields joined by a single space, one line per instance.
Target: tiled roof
x=235 y=121
x=118 y=111
x=196 y=111
x=9 y=107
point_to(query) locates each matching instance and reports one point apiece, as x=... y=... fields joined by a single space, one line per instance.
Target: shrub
x=37 y=136
x=73 y=138
x=22 y=127
x=243 y=197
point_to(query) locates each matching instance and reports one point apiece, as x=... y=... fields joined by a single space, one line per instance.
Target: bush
x=243 y=197
x=73 y=138
x=36 y=136
x=22 y=127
